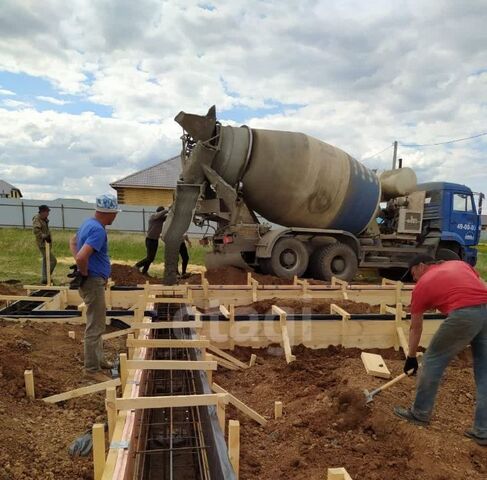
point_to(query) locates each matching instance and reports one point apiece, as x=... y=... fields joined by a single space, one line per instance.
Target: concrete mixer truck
x=331 y=214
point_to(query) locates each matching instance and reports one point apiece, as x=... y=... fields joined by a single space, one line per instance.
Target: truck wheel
x=446 y=254
x=336 y=260
x=289 y=257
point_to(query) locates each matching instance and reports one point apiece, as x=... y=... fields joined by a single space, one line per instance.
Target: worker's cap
x=44 y=208
x=421 y=258
x=107 y=203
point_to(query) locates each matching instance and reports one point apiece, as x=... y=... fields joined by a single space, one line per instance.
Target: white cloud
x=367 y=73
x=4 y=91
x=15 y=103
x=54 y=101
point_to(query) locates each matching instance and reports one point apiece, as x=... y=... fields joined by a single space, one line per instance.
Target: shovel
x=369 y=396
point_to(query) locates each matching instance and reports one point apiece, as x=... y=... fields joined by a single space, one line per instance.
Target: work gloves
x=411 y=364
x=78 y=279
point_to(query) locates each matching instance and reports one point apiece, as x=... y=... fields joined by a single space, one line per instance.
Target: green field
x=20 y=259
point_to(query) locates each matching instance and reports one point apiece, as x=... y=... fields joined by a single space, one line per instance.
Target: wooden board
x=240 y=405
x=375 y=365
x=79 y=392
x=167 y=343
x=171 y=365
x=170 y=401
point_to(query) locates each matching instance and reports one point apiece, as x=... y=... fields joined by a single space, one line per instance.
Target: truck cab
x=452 y=220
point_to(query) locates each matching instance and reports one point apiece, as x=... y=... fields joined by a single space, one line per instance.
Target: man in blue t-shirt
x=90 y=249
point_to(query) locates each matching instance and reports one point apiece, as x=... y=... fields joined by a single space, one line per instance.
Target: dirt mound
x=327 y=424
x=124 y=275
x=305 y=306
x=10 y=288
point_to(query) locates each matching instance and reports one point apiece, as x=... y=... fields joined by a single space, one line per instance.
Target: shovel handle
x=393 y=381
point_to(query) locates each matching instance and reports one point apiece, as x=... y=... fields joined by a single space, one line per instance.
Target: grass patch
x=20 y=258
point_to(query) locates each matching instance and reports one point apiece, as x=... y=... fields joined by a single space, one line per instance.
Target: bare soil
x=326 y=423
x=35 y=436
x=125 y=275
x=10 y=288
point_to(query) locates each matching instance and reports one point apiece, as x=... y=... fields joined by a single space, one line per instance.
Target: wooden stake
x=130 y=346
x=29 y=384
x=277 y=409
x=231 y=326
x=98 y=436
x=123 y=370
x=72 y=334
x=253 y=358
x=209 y=373
x=48 y=262
x=220 y=412
x=285 y=335
x=338 y=474
x=110 y=403
x=234 y=445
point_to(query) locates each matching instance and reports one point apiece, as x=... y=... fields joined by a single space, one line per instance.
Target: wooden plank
x=209 y=374
x=29 y=384
x=98 y=436
x=110 y=404
x=166 y=343
x=234 y=445
x=338 y=474
x=402 y=340
x=277 y=409
x=220 y=413
x=123 y=369
x=375 y=365
x=227 y=356
x=79 y=392
x=25 y=298
x=224 y=311
x=278 y=310
x=171 y=365
x=142 y=403
x=118 y=333
x=339 y=310
x=224 y=363
x=165 y=325
x=240 y=405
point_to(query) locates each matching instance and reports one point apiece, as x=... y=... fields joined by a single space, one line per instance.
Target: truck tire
x=336 y=260
x=289 y=257
x=446 y=254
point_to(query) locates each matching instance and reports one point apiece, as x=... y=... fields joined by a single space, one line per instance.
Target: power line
x=378 y=153
x=416 y=145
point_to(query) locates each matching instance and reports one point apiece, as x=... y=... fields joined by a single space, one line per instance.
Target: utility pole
x=394 y=158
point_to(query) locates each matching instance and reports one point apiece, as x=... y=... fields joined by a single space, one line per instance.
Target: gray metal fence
x=69 y=214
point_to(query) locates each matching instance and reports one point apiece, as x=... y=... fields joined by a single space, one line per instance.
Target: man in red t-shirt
x=455 y=289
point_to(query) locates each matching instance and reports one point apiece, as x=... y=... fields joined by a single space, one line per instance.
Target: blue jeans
x=462 y=327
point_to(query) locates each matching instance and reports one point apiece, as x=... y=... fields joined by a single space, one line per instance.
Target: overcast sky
x=89 y=89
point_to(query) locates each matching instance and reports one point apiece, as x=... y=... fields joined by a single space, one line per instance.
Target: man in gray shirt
x=152 y=238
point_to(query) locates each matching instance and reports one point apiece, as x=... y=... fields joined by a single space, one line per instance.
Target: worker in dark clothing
x=455 y=289
x=156 y=221
x=40 y=227
x=183 y=253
